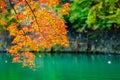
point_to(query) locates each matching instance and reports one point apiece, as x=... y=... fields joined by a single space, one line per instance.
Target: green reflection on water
x=63 y=67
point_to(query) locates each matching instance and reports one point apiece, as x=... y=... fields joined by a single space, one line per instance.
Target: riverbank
x=93 y=41
x=106 y=41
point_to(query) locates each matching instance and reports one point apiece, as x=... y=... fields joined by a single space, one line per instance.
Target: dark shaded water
x=63 y=67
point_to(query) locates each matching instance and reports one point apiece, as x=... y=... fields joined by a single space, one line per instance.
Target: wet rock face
x=102 y=41
x=4 y=40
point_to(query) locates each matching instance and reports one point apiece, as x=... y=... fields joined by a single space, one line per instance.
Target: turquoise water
x=63 y=67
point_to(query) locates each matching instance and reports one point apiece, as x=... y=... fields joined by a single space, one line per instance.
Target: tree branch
x=32 y=12
x=12 y=6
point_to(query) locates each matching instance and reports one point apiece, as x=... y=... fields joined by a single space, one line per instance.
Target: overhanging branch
x=32 y=12
x=12 y=6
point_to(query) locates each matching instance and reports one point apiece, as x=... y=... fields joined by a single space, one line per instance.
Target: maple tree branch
x=12 y=6
x=32 y=12
x=17 y=18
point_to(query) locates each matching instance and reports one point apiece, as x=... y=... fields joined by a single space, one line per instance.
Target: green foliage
x=95 y=14
x=65 y=1
x=5 y=20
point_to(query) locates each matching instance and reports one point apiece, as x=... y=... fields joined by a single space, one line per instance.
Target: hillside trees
x=95 y=14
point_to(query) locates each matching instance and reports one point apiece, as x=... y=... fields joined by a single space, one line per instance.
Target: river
x=63 y=67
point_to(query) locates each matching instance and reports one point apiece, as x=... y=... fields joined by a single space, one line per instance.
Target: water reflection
x=63 y=67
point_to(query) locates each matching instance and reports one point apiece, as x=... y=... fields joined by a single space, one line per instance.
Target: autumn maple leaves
x=35 y=28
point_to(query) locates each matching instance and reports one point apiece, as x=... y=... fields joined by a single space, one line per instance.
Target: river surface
x=63 y=67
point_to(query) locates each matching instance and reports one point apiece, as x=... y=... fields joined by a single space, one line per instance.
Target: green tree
x=95 y=14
